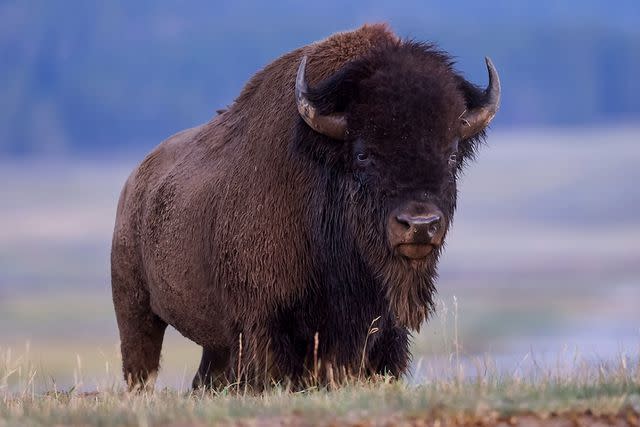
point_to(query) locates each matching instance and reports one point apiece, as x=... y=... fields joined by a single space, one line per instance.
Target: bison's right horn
x=332 y=125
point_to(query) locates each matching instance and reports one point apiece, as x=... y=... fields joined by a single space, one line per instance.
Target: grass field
x=603 y=394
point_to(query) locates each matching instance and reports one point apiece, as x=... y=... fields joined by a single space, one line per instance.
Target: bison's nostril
x=404 y=219
x=430 y=224
x=434 y=228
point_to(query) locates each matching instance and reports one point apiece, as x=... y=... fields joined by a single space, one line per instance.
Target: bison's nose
x=414 y=230
x=424 y=227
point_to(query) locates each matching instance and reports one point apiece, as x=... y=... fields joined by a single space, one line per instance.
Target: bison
x=313 y=209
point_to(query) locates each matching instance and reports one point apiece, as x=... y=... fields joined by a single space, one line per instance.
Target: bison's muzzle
x=415 y=229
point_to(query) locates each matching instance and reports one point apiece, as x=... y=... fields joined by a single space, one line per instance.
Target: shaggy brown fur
x=265 y=242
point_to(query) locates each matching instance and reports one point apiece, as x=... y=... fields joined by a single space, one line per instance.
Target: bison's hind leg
x=141 y=346
x=141 y=331
x=212 y=367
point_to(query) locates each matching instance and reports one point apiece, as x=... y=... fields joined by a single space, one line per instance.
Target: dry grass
x=459 y=390
x=603 y=393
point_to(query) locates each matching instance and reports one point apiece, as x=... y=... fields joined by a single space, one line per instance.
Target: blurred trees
x=86 y=77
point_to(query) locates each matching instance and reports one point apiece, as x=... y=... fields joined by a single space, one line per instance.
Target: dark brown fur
x=260 y=240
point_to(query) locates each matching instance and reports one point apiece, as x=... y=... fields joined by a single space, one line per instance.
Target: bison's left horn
x=332 y=125
x=476 y=119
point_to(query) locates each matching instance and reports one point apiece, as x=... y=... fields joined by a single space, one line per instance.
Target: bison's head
x=399 y=124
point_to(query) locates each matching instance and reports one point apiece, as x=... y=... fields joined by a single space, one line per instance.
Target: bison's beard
x=409 y=290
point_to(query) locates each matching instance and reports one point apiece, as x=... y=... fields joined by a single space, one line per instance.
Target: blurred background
x=544 y=255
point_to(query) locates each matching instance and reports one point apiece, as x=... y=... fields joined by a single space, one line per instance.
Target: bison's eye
x=363 y=158
x=453 y=159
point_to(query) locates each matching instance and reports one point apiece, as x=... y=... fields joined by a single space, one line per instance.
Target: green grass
x=487 y=400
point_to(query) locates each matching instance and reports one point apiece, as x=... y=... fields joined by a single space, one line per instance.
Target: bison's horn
x=474 y=120
x=332 y=125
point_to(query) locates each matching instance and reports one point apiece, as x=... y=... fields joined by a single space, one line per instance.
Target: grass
x=597 y=392
x=457 y=391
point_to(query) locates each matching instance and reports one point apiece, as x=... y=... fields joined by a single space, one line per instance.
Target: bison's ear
x=482 y=105
x=323 y=107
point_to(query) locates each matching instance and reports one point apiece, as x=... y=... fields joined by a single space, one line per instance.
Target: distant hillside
x=94 y=77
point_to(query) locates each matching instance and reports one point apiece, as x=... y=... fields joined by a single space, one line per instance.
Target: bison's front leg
x=390 y=352
x=212 y=367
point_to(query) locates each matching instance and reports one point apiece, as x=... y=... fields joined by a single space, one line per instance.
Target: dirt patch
x=624 y=419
